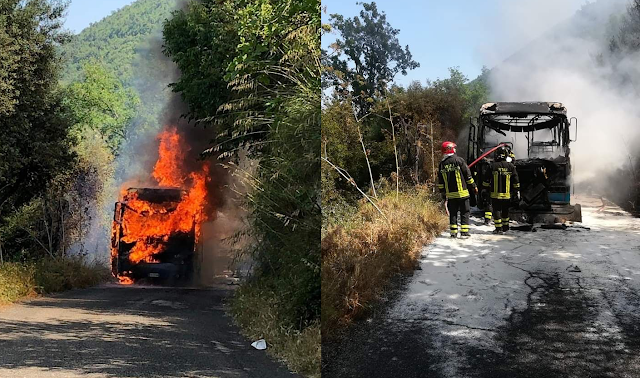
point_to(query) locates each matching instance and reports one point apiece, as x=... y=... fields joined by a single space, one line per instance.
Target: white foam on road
x=468 y=288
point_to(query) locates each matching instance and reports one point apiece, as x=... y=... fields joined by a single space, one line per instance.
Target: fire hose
x=486 y=153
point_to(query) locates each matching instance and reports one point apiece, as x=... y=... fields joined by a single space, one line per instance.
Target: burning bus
x=156 y=229
x=539 y=133
x=141 y=246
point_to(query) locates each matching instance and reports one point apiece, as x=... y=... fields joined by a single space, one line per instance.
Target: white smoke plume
x=567 y=62
x=518 y=23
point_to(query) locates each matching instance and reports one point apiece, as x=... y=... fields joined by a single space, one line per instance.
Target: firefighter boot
x=464 y=231
x=505 y=224
x=487 y=218
x=454 y=230
x=498 y=223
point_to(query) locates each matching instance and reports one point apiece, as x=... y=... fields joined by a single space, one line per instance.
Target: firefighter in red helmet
x=454 y=182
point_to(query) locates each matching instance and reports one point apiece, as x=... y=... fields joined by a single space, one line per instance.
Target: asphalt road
x=551 y=303
x=128 y=331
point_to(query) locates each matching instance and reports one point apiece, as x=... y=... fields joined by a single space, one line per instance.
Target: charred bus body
x=539 y=134
x=174 y=259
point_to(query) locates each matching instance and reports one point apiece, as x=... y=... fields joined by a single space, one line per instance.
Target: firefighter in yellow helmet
x=502 y=183
x=454 y=181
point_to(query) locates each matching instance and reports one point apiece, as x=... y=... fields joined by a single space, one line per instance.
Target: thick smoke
x=569 y=63
x=517 y=23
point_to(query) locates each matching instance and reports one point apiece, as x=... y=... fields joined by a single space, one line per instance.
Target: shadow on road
x=129 y=332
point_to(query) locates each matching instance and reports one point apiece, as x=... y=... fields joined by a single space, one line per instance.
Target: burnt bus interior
x=539 y=134
x=176 y=259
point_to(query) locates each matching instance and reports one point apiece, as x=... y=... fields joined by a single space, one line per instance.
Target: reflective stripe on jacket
x=503 y=180
x=454 y=177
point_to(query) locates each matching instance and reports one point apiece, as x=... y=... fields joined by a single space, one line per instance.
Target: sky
x=81 y=13
x=468 y=34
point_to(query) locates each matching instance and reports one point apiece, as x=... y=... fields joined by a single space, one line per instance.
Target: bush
x=360 y=255
x=23 y=280
x=256 y=311
x=16 y=281
x=55 y=275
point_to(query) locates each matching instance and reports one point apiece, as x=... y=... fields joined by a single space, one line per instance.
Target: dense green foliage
x=202 y=40
x=67 y=107
x=126 y=45
x=261 y=64
x=100 y=103
x=59 y=141
x=35 y=144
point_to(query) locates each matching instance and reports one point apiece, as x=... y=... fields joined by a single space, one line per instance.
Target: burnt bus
x=539 y=134
x=174 y=259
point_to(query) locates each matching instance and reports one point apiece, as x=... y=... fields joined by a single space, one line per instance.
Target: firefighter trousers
x=488 y=210
x=455 y=205
x=500 y=209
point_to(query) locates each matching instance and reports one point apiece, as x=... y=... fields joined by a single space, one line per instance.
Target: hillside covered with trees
x=118 y=41
x=126 y=46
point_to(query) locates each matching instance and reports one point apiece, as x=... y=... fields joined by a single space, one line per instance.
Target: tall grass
x=361 y=254
x=256 y=309
x=19 y=280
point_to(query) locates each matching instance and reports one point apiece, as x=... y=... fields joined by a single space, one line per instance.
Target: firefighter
x=454 y=181
x=502 y=183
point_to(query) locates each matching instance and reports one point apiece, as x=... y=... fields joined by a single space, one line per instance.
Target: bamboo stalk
x=347 y=177
x=366 y=156
x=395 y=150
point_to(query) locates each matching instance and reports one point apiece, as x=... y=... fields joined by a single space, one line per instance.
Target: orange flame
x=171 y=155
x=149 y=225
x=125 y=280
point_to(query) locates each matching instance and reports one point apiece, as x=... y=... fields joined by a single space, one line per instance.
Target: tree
x=444 y=104
x=628 y=38
x=36 y=146
x=101 y=103
x=367 y=56
x=202 y=41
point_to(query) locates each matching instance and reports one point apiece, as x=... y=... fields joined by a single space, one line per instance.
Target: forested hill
x=116 y=39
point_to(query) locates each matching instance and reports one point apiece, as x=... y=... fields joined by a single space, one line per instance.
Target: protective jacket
x=503 y=180
x=454 y=177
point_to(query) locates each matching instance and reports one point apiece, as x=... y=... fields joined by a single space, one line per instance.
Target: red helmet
x=448 y=148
